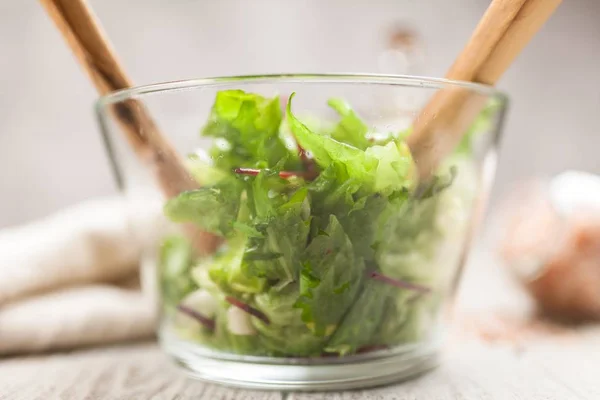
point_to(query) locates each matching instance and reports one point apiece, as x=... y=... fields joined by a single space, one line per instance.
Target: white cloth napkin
x=72 y=279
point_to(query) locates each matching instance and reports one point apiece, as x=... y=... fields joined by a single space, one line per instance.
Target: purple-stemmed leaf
x=207 y=322
x=248 y=308
x=398 y=282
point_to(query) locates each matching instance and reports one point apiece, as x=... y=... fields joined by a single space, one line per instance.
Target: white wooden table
x=470 y=371
x=531 y=364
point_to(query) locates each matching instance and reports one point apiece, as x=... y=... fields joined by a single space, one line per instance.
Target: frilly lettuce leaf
x=376 y=169
x=350 y=129
x=328 y=285
x=230 y=272
x=286 y=333
x=249 y=125
x=326 y=150
x=482 y=123
x=175 y=260
x=395 y=167
x=200 y=274
x=284 y=239
x=224 y=340
x=204 y=172
x=409 y=236
x=359 y=216
x=407 y=319
x=361 y=224
x=212 y=208
x=265 y=194
x=363 y=320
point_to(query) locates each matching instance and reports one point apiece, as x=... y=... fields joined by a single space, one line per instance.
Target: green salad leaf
x=482 y=123
x=351 y=129
x=350 y=161
x=175 y=260
x=361 y=324
x=223 y=339
x=214 y=208
x=230 y=271
x=265 y=194
x=286 y=333
x=378 y=168
x=395 y=167
x=327 y=285
x=409 y=236
x=285 y=238
x=203 y=172
x=249 y=126
x=361 y=224
x=408 y=319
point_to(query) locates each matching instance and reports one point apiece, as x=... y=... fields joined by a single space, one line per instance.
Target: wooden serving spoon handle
x=80 y=29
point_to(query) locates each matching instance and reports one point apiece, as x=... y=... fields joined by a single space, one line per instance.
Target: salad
x=330 y=244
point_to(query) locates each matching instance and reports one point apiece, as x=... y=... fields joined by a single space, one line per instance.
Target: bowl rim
x=340 y=78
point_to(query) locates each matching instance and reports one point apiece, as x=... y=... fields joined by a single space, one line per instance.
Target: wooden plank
x=474 y=371
x=573 y=361
x=134 y=372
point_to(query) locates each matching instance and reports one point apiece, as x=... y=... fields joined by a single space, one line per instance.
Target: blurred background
x=51 y=153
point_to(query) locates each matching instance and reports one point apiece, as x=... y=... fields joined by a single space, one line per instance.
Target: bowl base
x=273 y=374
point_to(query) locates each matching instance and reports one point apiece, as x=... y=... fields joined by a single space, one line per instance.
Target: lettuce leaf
x=284 y=239
x=350 y=160
x=230 y=272
x=174 y=260
x=409 y=237
x=265 y=194
x=249 y=126
x=407 y=319
x=351 y=129
x=376 y=169
x=213 y=208
x=286 y=333
x=360 y=325
x=224 y=340
x=361 y=224
x=395 y=167
x=359 y=216
x=482 y=123
x=330 y=278
x=203 y=172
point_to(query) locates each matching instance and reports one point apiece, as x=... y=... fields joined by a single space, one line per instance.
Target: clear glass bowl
x=329 y=262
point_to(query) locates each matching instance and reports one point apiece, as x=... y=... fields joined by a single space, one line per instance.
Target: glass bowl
x=328 y=262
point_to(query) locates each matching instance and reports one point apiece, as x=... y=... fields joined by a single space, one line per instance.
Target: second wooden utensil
x=505 y=29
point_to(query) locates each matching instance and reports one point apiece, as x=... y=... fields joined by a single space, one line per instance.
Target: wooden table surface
x=474 y=370
x=503 y=361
